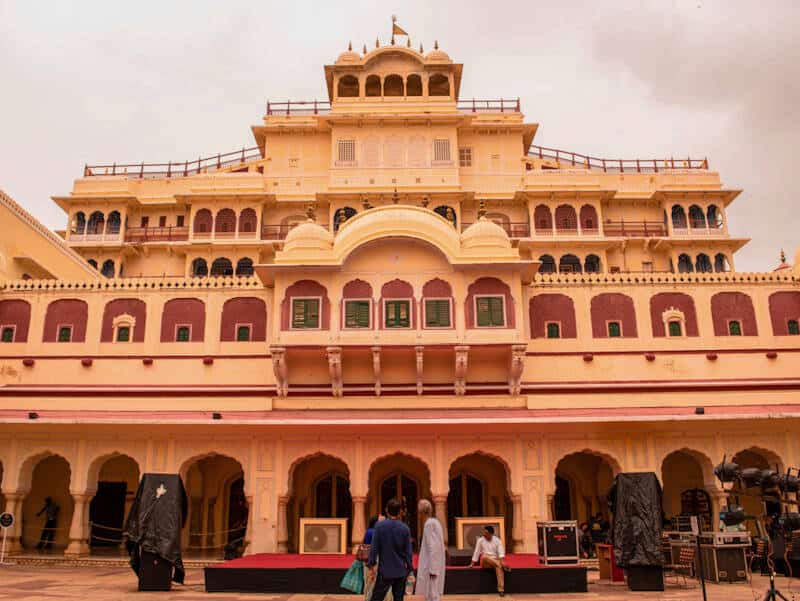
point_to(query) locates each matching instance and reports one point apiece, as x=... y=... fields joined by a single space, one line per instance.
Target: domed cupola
x=348 y=57
x=308 y=236
x=437 y=56
x=484 y=235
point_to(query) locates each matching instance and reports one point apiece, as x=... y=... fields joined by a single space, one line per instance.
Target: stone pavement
x=47 y=583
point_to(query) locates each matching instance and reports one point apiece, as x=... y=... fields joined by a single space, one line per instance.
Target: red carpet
x=293 y=560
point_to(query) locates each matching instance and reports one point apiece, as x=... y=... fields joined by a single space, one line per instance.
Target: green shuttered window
x=182 y=334
x=123 y=334
x=65 y=334
x=675 y=328
x=793 y=327
x=356 y=314
x=305 y=313
x=734 y=328
x=8 y=335
x=614 y=329
x=553 y=330
x=437 y=313
x=490 y=312
x=243 y=334
x=398 y=314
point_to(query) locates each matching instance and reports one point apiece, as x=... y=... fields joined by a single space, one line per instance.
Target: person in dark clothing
x=50 y=511
x=391 y=553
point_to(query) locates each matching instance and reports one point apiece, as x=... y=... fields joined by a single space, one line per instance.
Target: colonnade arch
x=761 y=458
x=112 y=482
x=42 y=476
x=582 y=480
x=688 y=486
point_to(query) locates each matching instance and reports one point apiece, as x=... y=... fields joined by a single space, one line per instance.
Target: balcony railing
x=575 y=159
x=323 y=107
x=109 y=236
x=156 y=234
x=635 y=229
x=513 y=229
x=175 y=169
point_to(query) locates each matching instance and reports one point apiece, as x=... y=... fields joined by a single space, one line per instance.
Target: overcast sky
x=105 y=81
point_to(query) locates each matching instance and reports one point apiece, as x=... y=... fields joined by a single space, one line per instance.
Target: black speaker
x=155 y=573
x=645 y=578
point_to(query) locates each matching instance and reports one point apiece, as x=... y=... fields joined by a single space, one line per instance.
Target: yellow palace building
x=393 y=293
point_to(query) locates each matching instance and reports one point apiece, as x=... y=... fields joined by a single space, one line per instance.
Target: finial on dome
x=436 y=44
x=377 y=42
x=481 y=209
x=408 y=42
x=392 y=39
x=365 y=49
x=783 y=256
x=420 y=48
x=426 y=201
x=350 y=46
x=395 y=197
x=310 y=213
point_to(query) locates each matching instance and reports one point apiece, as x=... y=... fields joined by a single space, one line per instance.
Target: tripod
x=773 y=594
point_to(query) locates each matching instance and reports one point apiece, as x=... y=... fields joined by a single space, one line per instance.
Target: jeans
x=398 y=586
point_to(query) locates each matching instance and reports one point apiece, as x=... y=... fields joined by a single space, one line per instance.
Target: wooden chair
x=685 y=565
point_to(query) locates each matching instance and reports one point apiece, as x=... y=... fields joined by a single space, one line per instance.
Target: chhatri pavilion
x=393 y=293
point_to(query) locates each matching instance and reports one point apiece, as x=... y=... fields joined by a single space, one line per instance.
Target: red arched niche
x=783 y=306
x=397 y=289
x=124 y=306
x=613 y=306
x=16 y=314
x=547 y=308
x=494 y=287
x=241 y=312
x=183 y=312
x=733 y=306
x=667 y=300
x=357 y=289
x=66 y=312
x=306 y=288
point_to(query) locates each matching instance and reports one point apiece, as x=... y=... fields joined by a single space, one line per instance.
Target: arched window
x=203 y=222
x=92 y=262
x=393 y=86
x=438 y=85
x=592 y=264
x=685 y=264
x=114 y=222
x=342 y=215
x=221 y=267
x=703 y=264
x=79 y=225
x=447 y=212
x=678 y=217
x=543 y=220
x=225 y=222
x=108 y=268
x=199 y=268
x=589 y=221
x=248 y=220
x=566 y=219
x=548 y=264
x=414 y=85
x=696 y=217
x=244 y=267
x=569 y=264
x=348 y=87
x=720 y=263
x=373 y=86
x=714 y=216
x=96 y=223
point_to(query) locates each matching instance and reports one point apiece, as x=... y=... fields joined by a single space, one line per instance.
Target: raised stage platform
x=321 y=574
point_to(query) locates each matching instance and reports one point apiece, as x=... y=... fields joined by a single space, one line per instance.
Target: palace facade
x=394 y=293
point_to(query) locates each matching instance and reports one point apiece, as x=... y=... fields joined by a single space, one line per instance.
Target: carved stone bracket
x=516 y=368
x=280 y=370
x=376 y=368
x=419 y=349
x=462 y=353
x=335 y=369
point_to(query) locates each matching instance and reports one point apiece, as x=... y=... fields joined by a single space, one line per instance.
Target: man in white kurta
x=431 y=568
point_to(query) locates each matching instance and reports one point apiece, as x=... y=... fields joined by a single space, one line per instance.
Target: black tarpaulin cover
x=635 y=501
x=155 y=521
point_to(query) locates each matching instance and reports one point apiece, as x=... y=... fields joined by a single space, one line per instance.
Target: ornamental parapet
x=661 y=278
x=143 y=284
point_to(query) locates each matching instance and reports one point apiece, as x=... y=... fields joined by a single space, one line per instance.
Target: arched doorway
x=582 y=481
x=319 y=487
x=478 y=487
x=685 y=488
x=218 y=510
x=400 y=477
x=116 y=479
x=49 y=479
x=750 y=499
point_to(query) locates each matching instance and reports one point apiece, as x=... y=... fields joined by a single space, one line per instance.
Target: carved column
x=283 y=533
x=440 y=511
x=719 y=498
x=516 y=368
x=14 y=507
x=460 y=384
x=280 y=370
x=78 y=544
x=376 y=368
x=359 y=524
x=335 y=369
x=247 y=544
x=420 y=352
x=516 y=527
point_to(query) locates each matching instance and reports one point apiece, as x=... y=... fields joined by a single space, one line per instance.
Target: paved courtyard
x=28 y=583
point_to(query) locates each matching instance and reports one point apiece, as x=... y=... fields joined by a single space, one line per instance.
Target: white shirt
x=490 y=548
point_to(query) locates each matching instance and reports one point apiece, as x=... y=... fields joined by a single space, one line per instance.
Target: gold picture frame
x=465 y=540
x=315 y=533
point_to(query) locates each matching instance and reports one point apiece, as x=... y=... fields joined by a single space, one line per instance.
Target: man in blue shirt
x=391 y=552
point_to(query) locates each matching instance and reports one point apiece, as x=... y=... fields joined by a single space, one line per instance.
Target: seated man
x=490 y=553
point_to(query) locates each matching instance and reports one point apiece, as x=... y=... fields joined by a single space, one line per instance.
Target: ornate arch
x=299 y=460
x=27 y=467
x=96 y=465
x=451 y=458
x=701 y=457
x=230 y=453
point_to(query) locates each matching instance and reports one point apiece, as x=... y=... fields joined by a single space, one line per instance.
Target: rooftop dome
x=437 y=56
x=485 y=234
x=308 y=236
x=348 y=56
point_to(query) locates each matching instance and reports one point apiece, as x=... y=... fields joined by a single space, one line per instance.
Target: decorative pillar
x=440 y=511
x=283 y=534
x=14 y=507
x=248 y=534
x=78 y=544
x=359 y=525
x=516 y=527
x=719 y=498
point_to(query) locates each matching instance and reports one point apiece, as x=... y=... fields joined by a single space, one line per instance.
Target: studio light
x=751 y=477
x=769 y=479
x=788 y=483
x=732 y=515
x=727 y=471
x=789 y=522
